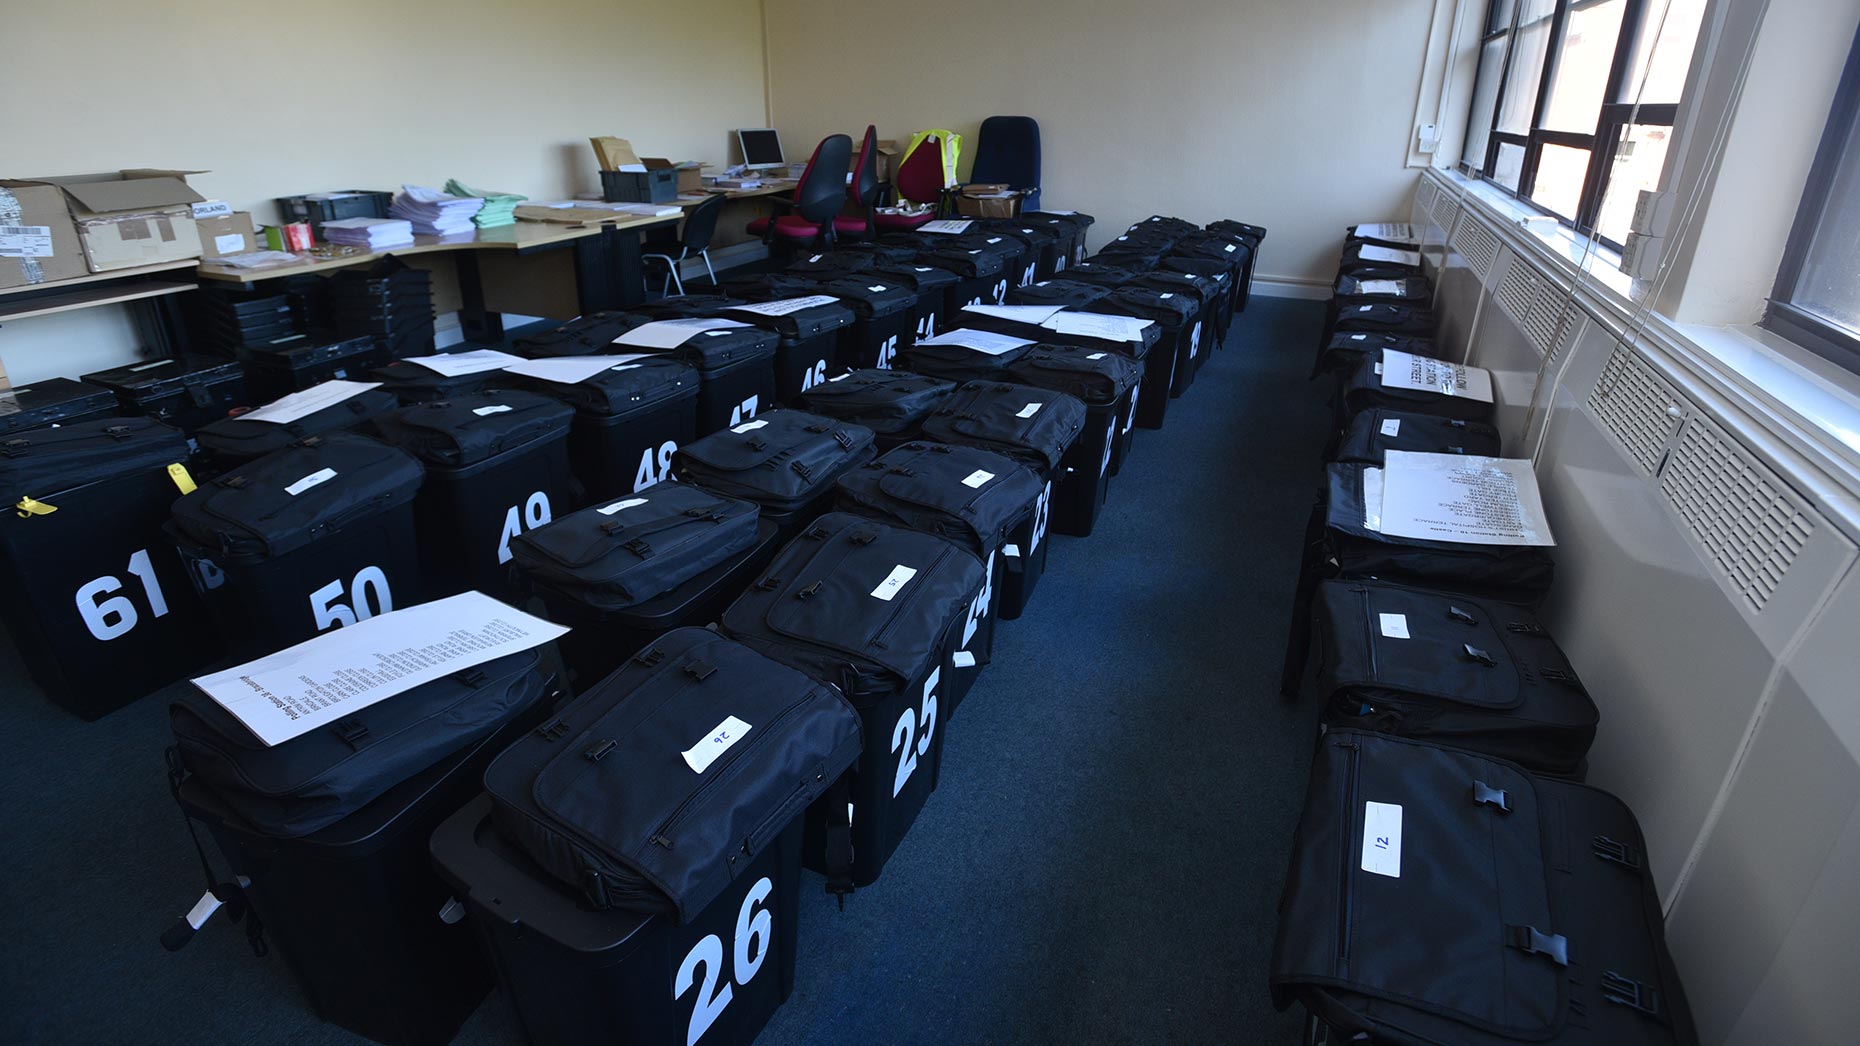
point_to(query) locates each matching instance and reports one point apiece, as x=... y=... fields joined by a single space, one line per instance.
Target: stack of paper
x=434 y=213
x=499 y=207
x=376 y=234
x=1460 y=498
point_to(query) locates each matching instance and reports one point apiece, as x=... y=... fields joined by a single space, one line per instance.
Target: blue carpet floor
x=1100 y=865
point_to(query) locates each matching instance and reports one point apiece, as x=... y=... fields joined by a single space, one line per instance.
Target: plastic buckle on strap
x=638 y=547
x=600 y=750
x=1485 y=793
x=1525 y=628
x=1461 y=616
x=13 y=448
x=1480 y=656
x=801 y=470
x=650 y=656
x=768 y=584
x=757 y=443
x=553 y=731
x=700 y=670
x=349 y=732
x=1633 y=994
x=1557 y=675
x=843 y=440
x=808 y=592
x=864 y=537
x=1532 y=941
x=118 y=432
x=1454 y=450
x=1614 y=850
x=232 y=482
x=473 y=677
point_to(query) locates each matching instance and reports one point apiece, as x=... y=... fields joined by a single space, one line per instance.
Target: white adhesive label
x=495 y=408
x=1165 y=296
x=842 y=377
x=618 y=506
x=1029 y=410
x=977 y=478
x=894 y=581
x=963 y=659
x=202 y=910
x=699 y=756
x=1011 y=549
x=1391 y=427
x=151 y=366
x=1097 y=355
x=230 y=243
x=1389 y=255
x=749 y=426
x=211 y=209
x=1359 y=337
x=1382 y=839
x=877 y=288
x=1394 y=626
x=1389 y=287
x=314 y=478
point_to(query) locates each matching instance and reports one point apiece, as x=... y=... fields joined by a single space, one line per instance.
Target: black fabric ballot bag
x=99 y=605
x=1538 y=889
x=892 y=403
x=238 y=439
x=629 y=420
x=1470 y=673
x=496 y=466
x=317 y=535
x=1372 y=433
x=649 y=790
x=785 y=461
x=877 y=612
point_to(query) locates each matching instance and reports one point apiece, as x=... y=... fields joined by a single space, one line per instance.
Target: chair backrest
x=1008 y=151
x=701 y=223
x=821 y=192
x=865 y=170
x=920 y=176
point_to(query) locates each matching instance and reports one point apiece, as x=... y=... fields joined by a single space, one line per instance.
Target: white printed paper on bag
x=786 y=305
x=286 y=409
x=457 y=364
x=750 y=426
x=948 y=225
x=1372 y=499
x=894 y=581
x=495 y=408
x=669 y=334
x=720 y=740
x=1369 y=252
x=1019 y=313
x=620 y=506
x=1382 y=839
x=567 y=370
x=1391 y=427
x=1098 y=325
x=1462 y=498
x=1404 y=370
x=1394 y=626
x=1029 y=410
x=1397 y=232
x=987 y=342
x=347 y=669
x=1392 y=288
x=320 y=476
x=977 y=478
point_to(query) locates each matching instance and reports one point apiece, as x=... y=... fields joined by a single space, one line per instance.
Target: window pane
x=1582 y=66
x=1560 y=171
x=1485 y=93
x=1638 y=163
x=1499 y=17
x=1509 y=166
x=1527 y=67
x=1829 y=285
x=1663 y=53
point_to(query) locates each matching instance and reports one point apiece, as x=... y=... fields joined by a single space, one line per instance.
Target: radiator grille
x=1637 y=407
x=1748 y=524
x=1477 y=244
x=1424 y=197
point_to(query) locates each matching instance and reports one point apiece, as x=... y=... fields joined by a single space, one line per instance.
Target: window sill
x=1572 y=252
x=1815 y=391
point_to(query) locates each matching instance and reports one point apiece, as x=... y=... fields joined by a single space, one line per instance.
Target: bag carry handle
x=220 y=894
x=839 y=844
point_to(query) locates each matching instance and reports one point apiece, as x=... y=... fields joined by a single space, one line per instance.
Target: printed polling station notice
x=321 y=680
x=1462 y=498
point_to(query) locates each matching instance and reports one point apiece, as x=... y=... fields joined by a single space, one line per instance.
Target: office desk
x=770 y=188
x=608 y=269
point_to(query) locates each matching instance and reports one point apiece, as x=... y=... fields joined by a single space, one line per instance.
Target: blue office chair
x=700 y=227
x=1008 y=151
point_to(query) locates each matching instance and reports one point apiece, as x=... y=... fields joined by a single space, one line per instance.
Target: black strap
x=839 y=855
x=230 y=895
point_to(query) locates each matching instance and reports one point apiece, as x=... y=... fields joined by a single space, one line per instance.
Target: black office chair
x=864 y=190
x=1008 y=152
x=818 y=196
x=694 y=238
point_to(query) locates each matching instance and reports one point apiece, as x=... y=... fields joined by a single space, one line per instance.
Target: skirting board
x=1291 y=287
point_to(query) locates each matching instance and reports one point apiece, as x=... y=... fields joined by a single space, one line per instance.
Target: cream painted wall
x=1291 y=115
x=275 y=99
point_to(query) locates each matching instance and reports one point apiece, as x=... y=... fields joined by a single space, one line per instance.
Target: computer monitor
x=761 y=148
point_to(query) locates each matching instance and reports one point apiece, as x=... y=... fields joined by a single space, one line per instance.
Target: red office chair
x=864 y=189
x=818 y=196
x=920 y=180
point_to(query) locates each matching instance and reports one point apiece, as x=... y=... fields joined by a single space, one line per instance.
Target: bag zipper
x=661 y=837
x=891 y=620
x=1348 y=879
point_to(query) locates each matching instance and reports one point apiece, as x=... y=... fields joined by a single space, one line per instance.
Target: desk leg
x=478 y=323
x=629 y=266
x=596 y=290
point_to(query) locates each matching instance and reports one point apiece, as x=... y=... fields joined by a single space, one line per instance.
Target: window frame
x=1781 y=315
x=1602 y=144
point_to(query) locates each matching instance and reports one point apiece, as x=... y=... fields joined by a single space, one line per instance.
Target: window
x=1816 y=302
x=1574 y=103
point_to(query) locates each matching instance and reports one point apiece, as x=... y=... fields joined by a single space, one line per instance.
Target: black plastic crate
x=366 y=203
x=299 y=363
x=659 y=185
x=54 y=401
x=187 y=393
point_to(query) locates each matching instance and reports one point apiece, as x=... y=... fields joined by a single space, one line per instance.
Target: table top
x=521 y=235
x=767 y=188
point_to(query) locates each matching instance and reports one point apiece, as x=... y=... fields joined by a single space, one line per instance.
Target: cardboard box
x=133 y=217
x=227 y=234
x=38 y=243
x=988 y=200
x=888 y=153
